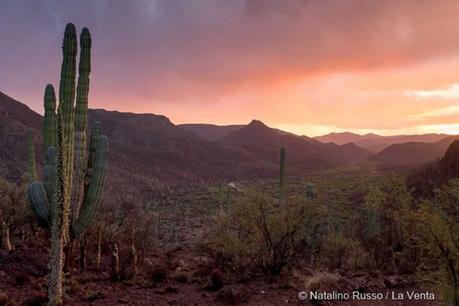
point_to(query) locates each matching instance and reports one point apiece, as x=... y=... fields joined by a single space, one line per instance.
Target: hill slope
x=15 y=119
x=152 y=145
x=423 y=180
x=412 y=154
x=143 y=147
x=258 y=138
x=346 y=137
x=148 y=149
x=377 y=143
x=210 y=131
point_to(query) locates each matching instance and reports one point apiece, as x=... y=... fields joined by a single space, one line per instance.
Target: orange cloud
x=311 y=66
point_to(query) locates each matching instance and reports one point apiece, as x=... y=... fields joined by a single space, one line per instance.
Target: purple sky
x=306 y=66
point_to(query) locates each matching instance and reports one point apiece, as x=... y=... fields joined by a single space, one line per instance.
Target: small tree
x=435 y=225
x=259 y=233
x=384 y=204
x=14 y=212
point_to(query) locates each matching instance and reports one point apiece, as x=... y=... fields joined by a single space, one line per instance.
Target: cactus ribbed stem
x=94 y=189
x=68 y=72
x=81 y=110
x=40 y=204
x=72 y=181
x=84 y=69
x=49 y=121
x=49 y=172
x=31 y=165
x=95 y=135
x=59 y=221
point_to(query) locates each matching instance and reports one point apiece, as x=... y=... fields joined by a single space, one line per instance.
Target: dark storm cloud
x=172 y=50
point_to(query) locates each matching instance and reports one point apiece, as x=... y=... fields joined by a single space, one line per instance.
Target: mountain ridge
x=150 y=147
x=412 y=154
x=377 y=143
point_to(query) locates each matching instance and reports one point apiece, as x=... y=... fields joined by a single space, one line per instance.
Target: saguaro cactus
x=73 y=180
x=282 y=176
x=310 y=191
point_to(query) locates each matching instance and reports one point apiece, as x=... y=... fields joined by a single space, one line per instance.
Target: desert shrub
x=232 y=295
x=322 y=282
x=20 y=278
x=385 y=203
x=435 y=226
x=216 y=278
x=36 y=299
x=260 y=233
x=15 y=214
x=158 y=274
x=338 y=252
x=93 y=296
x=5 y=300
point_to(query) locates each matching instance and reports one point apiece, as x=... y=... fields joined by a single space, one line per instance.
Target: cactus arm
x=49 y=121
x=60 y=208
x=49 y=172
x=48 y=180
x=66 y=110
x=39 y=201
x=95 y=135
x=93 y=144
x=31 y=164
x=84 y=69
x=68 y=73
x=81 y=110
x=49 y=138
x=93 y=191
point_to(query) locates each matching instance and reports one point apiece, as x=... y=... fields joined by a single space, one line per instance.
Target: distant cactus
x=173 y=233
x=373 y=222
x=282 y=176
x=70 y=193
x=310 y=191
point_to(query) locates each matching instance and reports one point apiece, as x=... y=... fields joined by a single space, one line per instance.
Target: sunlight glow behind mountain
x=310 y=67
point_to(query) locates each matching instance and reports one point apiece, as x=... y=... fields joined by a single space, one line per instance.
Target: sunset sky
x=309 y=67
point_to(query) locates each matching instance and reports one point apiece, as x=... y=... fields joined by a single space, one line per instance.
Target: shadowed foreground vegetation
x=346 y=229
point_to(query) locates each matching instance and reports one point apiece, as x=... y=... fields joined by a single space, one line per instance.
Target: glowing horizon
x=310 y=68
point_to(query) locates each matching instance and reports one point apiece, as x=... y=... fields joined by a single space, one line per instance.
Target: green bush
x=340 y=252
x=435 y=227
x=261 y=233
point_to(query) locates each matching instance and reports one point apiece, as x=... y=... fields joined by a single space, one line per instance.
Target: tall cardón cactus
x=69 y=195
x=282 y=176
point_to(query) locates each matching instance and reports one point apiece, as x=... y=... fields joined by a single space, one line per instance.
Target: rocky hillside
x=377 y=143
x=412 y=154
x=150 y=149
x=426 y=178
x=301 y=153
x=210 y=131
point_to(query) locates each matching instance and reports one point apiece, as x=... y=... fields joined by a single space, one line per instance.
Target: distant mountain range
x=377 y=143
x=210 y=131
x=423 y=180
x=148 y=149
x=265 y=142
x=411 y=154
x=387 y=152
